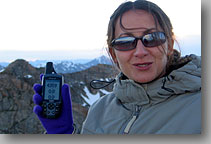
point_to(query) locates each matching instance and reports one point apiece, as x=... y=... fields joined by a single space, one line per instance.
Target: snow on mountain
x=67 y=66
x=38 y=63
x=93 y=97
x=100 y=60
x=1 y=69
x=70 y=66
x=42 y=63
x=4 y=64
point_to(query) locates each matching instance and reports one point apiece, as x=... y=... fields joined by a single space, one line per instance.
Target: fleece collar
x=186 y=79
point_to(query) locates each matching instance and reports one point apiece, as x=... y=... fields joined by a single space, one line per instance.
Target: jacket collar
x=183 y=80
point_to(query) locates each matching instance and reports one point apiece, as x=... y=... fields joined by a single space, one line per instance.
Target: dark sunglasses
x=149 y=40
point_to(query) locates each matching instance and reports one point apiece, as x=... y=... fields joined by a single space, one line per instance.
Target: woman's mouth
x=143 y=66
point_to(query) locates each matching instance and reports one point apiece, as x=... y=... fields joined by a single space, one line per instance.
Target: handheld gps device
x=51 y=92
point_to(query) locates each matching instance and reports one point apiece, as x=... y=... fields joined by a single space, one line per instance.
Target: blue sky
x=51 y=29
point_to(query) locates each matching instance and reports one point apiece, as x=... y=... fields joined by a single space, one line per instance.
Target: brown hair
x=159 y=17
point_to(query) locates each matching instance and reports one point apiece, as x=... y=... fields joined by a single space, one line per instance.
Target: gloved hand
x=64 y=123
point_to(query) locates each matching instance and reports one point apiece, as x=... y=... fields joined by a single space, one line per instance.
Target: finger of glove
x=38 y=110
x=41 y=76
x=66 y=96
x=37 y=88
x=37 y=99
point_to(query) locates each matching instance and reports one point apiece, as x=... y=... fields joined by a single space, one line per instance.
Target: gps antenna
x=49 y=68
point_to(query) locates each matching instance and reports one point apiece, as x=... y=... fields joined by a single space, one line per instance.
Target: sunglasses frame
x=157 y=38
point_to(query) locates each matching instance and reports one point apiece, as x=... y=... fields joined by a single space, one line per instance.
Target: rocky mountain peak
x=20 y=68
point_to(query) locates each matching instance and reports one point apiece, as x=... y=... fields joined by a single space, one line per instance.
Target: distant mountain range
x=1 y=68
x=67 y=66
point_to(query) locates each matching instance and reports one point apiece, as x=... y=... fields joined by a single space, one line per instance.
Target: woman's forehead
x=135 y=21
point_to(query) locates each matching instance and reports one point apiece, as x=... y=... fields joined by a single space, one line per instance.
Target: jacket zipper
x=132 y=120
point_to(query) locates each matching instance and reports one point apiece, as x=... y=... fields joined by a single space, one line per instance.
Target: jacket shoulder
x=196 y=60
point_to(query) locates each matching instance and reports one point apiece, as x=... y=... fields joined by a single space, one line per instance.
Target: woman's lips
x=143 y=66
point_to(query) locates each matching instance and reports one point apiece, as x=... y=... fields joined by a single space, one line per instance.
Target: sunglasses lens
x=124 y=43
x=154 y=39
x=149 y=40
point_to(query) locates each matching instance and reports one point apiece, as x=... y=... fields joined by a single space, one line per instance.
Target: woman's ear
x=113 y=55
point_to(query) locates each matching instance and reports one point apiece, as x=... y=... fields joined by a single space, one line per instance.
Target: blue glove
x=64 y=123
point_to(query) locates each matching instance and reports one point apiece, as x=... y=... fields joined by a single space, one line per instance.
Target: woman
x=157 y=91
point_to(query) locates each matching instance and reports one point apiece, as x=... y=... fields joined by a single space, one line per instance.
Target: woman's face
x=142 y=64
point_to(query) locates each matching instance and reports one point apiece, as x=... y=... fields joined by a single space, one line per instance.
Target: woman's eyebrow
x=127 y=34
x=149 y=30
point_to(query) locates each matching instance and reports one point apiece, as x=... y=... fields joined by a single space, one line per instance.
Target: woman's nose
x=140 y=50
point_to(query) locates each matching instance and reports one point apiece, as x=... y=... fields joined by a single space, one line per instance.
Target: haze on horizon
x=51 y=29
